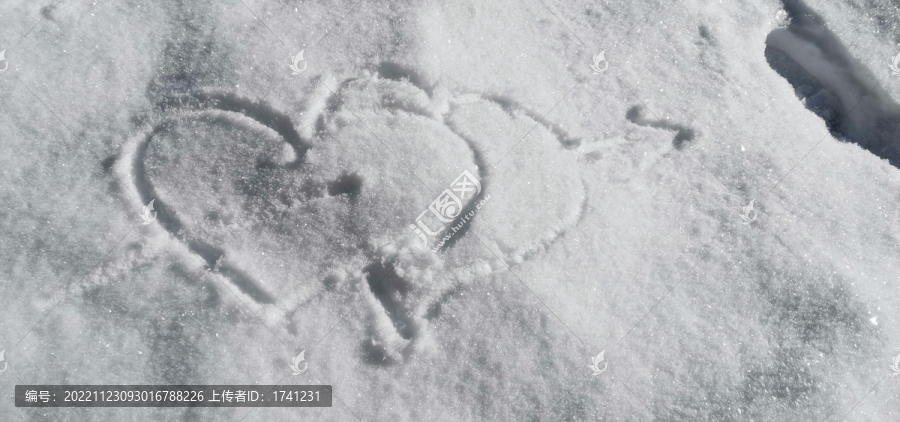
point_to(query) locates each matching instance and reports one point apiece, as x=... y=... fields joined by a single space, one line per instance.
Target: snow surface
x=612 y=219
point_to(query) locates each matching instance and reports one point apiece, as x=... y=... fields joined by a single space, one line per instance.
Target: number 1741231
x=296 y=395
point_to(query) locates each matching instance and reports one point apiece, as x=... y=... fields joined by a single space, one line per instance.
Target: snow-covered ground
x=610 y=225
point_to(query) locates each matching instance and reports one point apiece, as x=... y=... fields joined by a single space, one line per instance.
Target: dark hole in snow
x=108 y=162
x=47 y=11
x=395 y=72
x=704 y=33
x=349 y=184
x=391 y=290
x=833 y=84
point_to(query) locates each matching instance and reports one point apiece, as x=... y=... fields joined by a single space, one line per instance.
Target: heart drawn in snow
x=285 y=217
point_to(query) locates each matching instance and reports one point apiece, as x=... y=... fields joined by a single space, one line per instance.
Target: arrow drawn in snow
x=682 y=133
